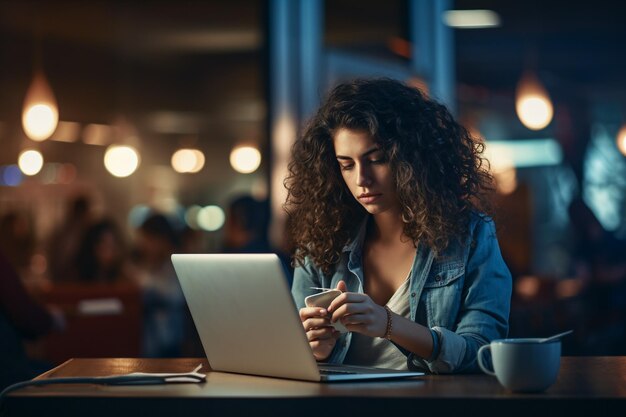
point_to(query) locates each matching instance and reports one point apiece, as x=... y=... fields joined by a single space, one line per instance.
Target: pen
x=321 y=289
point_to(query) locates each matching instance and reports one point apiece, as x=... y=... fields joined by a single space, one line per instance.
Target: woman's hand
x=321 y=335
x=359 y=313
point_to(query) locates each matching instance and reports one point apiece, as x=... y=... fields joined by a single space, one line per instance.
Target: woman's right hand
x=321 y=335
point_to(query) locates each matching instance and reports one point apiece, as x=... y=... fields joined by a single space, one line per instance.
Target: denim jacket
x=464 y=294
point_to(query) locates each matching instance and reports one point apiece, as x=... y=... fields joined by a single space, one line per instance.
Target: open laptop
x=248 y=322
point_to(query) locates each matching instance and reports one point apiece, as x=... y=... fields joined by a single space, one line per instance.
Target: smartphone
x=323 y=300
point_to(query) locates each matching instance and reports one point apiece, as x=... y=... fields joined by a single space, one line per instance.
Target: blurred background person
x=65 y=241
x=246 y=230
x=21 y=318
x=164 y=316
x=101 y=256
x=600 y=277
x=17 y=240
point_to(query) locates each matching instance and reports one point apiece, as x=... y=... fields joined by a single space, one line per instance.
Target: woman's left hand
x=359 y=313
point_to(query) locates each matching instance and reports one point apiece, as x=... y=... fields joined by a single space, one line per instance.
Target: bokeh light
x=471 y=19
x=96 y=134
x=188 y=160
x=621 y=140
x=40 y=114
x=211 y=218
x=12 y=176
x=66 y=174
x=535 y=112
x=191 y=217
x=532 y=103
x=121 y=161
x=506 y=180
x=245 y=159
x=40 y=121
x=66 y=132
x=49 y=173
x=502 y=166
x=30 y=162
x=527 y=287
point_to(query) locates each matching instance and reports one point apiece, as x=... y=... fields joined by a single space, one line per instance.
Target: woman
x=101 y=257
x=386 y=200
x=164 y=309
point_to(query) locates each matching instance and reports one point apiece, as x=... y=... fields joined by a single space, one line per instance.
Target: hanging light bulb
x=245 y=159
x=40 y=114
x=30 y=162
x=621 y=140
x=532 y=103
x=188 y=160
x=121 y=161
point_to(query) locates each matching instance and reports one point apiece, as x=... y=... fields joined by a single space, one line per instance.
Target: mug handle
x=479 y=357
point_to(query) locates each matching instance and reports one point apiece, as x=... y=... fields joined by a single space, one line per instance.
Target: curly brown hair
x=437 y=167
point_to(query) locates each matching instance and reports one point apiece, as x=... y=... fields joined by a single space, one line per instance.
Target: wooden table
x=587 y=386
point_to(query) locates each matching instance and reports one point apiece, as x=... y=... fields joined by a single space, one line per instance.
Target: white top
x=376 y=351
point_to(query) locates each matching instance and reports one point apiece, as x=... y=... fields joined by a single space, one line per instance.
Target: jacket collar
x=356 y=244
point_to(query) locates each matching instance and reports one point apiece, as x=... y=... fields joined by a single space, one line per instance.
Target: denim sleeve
x=304 y=277
x=307 y=276
x=486 y=302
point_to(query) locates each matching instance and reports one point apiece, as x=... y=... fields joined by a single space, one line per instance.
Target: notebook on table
x=248 y=322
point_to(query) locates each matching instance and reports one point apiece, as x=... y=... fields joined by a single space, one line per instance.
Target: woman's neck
x=387 y=227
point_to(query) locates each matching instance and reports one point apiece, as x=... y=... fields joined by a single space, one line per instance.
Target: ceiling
x=107 y=59
x=179 y=56
x=194 y=71
x=577 y=43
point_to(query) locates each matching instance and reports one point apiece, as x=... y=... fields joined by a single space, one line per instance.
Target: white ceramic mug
x=523 y=365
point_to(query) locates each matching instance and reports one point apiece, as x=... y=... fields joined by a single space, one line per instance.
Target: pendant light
x=532 y=103
x=40 y=114
x=188 y=160
x=122 y=157
x=30 y=162
x=245 y=159
x=121 y=160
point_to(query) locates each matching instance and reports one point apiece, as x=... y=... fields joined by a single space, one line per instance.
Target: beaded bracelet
x=389 y=324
